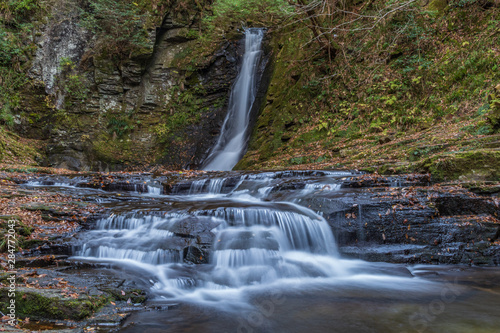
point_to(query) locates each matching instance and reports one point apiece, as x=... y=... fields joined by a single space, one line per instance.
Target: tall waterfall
x=233 y=137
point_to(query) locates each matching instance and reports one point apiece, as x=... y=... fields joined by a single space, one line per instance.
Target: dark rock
x=192 y=254
x=385 y=139
x=193 y=226
x=404 y=225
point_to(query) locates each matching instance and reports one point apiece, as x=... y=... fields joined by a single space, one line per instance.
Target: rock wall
x=117 y=114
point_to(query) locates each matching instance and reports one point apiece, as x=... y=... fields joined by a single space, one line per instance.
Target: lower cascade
x=252 y=243
x=239 y=238
x=232 y=140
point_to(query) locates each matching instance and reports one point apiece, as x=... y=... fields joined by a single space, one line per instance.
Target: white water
x=233 y=138
x=254 y=243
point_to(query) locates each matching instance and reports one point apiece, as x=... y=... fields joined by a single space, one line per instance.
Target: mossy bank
x=416 y=92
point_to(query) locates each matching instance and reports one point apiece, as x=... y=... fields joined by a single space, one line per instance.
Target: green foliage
x=66 y=64
x=15 y=27
x=9 y=46
x=244 y=12
x=462 y=3
x=185 y=110
x=494 y=108
x=119 y=27
x=10 y=95
x=72 y=82
x=119 y=126
x=6 y=116
x=17 y=11
x=76 y=87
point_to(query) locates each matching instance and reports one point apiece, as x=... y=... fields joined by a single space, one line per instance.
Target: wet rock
x=193 y=227
x=223 y=186
x=192 y=254
x=464 y=204
x=133 y=296
x=39 y=261
x=406 y=225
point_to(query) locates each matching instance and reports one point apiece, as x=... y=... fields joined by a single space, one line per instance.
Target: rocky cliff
x=164 y=103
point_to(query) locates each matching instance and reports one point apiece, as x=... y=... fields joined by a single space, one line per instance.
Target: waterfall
x=232 y=141
x=217 y=241
x=242 y=238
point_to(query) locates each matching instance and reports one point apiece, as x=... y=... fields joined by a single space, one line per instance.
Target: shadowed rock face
x=140 y=93
x=423 y=225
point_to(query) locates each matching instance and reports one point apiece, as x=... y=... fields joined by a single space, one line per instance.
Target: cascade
x=232 y=140
x=244 y=239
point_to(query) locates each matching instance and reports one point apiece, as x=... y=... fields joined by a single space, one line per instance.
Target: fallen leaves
x=42 y=214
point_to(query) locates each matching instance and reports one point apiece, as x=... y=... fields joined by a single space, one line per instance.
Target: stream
x=245 y=252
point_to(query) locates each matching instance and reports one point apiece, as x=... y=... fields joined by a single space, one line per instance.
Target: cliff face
x=98 y=112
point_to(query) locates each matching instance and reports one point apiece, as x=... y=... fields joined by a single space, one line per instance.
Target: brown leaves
x=350 y=216
x=47 y=213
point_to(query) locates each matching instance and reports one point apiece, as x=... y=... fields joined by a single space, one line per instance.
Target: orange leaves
x=61 y=281
x=350 y=216
x=72 y=295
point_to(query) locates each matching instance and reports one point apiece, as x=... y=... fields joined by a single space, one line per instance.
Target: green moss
x=13 y=149
x=438 y=5
x=31 y=243
x=478 y=164
x=22 y=232
x=113 y=151
x=48 y=304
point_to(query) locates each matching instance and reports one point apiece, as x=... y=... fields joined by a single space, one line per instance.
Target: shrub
x=259 y=12
x=118 y=25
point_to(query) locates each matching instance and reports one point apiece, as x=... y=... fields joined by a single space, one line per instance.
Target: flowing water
x=244 y=253
x=232 y=140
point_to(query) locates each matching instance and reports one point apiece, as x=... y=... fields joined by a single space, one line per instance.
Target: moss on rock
x=476 y=165
x=51 y=304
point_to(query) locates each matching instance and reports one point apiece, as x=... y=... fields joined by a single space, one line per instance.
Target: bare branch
x=318 y=16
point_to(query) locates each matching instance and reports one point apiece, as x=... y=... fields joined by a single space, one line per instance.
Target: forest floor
x=446 y=150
